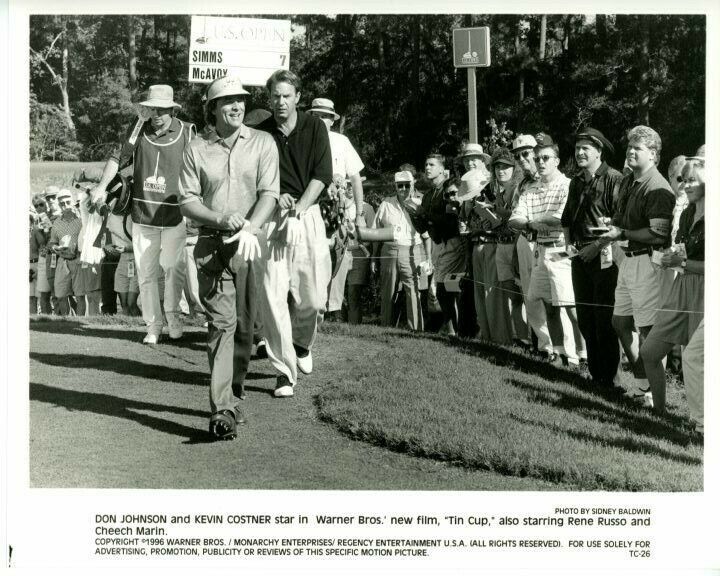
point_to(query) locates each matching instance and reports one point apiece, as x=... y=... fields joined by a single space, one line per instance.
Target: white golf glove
x=425 y=267
x=294 y=231
x=248 y=245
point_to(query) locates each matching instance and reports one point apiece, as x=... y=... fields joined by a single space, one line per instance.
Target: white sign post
x=471 y=49
x=251 y=48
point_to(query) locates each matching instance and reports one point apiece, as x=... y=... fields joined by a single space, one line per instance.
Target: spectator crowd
x=259 y=223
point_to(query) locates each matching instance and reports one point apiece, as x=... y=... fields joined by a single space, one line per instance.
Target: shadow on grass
x=642 y=425
x=107 y=405
x=500 y=356
x=124 y=367
x=194 y=340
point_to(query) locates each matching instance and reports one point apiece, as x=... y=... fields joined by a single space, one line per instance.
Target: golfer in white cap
x=154 y=146
x=229 y=184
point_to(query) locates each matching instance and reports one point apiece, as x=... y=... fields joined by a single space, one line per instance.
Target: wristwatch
x=683 y=264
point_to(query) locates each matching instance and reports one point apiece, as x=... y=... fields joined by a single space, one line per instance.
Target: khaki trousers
x=294 y=289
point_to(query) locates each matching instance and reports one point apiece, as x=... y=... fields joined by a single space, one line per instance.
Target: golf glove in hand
x=248 y=246
x=293 y=231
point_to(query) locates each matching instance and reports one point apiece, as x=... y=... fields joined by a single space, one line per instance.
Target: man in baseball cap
x=231 y=211
x=522 y=150
x=589 y=208
x=400 y=257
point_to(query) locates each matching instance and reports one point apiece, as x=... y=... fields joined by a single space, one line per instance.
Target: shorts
x=504 y=262
x=551 y=281
x=637 y=293
x=124 y=282
x=452 y=258
x=42 y=283
x=66 y=272
x=87 y=279
x=682 y=311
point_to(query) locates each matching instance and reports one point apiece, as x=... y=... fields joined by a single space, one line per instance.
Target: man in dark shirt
x=642 y=222
x=589 y=208
x=299 y=269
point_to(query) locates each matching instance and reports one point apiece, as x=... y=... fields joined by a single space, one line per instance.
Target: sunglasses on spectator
x=65 y=202
x=544 y=158
x=523 y=154
x=402 y=186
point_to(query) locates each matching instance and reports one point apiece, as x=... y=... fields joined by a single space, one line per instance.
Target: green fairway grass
x=384 y=409
x=484 y=407
x=44 y=174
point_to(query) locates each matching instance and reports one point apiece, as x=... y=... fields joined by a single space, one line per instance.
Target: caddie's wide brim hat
x=324 y=106
x=160 y=96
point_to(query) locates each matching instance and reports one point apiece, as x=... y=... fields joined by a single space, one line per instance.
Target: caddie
x=158 y=227
x=229 y=184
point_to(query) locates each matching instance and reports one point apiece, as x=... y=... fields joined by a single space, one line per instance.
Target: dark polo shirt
x=432 y=217
x=639 y=201
x=589 y=200
x=304 y=154
x=692 y=236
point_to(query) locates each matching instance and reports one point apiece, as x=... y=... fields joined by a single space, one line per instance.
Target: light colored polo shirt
x=541 y=199
x=229 y=175
x=346 y=160
x=391 y=214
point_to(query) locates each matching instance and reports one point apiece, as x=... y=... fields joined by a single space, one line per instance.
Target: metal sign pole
x=472 y=105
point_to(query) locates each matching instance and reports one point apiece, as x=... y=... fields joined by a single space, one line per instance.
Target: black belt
x=583 y=243
x=631 y=253
x=494 y=240
x=33 y=260
x=215 y=233
x=553 y=243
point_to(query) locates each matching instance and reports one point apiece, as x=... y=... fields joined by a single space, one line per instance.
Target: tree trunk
x=521 y=75
x=566 y=40
x=415 y=83
x=643 y=88
x=541 y=51
x=64 y=83
x=601 y=29
x=132 y=57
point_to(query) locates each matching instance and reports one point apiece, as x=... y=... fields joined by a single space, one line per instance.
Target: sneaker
x=151 y=339
x=175 y=332
x=261 y=349
x=648 y=400
x=305 y=363
x=283 y=388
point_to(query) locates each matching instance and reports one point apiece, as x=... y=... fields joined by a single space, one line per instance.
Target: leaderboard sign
x=250 y=48
x=471 y=47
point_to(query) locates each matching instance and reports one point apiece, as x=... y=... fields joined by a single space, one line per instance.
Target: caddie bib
x=156 y=172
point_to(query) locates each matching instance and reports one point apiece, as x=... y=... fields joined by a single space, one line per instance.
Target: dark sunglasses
x=402 y=186
x=544 y=158
x=523 y=154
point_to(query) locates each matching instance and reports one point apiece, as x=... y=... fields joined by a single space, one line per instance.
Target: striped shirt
x=65 y=226
x=544 y=199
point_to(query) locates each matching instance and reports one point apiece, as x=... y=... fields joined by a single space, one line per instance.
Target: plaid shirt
x=63 y=227
x=541 y=199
